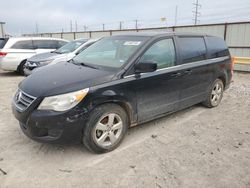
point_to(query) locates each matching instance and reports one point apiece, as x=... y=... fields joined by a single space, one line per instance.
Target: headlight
x=42 y=63
x=63 y=102
x=30 y=64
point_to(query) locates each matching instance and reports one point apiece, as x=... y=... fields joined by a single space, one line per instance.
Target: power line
x=197 y=14
x=177 y=19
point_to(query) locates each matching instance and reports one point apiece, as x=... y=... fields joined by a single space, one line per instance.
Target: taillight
x=2 y=54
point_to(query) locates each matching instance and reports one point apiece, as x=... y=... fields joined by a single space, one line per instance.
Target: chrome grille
x=23 y=100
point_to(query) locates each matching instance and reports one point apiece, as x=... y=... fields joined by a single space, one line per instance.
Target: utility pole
x=120 y=25
x=136 y=24
x=196 y=12
x=103 y=27
x=37 y=28
x=71 y=26
x=176 y=15
x=76 y=25
x=85 y=28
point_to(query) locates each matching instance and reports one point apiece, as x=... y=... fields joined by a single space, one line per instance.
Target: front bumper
x=52 y=127
x=27 y=71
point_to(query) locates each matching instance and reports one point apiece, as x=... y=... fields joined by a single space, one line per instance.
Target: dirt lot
x=197 y=147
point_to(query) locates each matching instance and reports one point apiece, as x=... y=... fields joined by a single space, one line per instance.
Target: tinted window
x=192 y=49
x=3 y=42
x=45 y=44
x=26 y=44
x=216 y=47
x=161 y=52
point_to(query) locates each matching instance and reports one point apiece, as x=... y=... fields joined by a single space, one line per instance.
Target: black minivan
x=121 y=81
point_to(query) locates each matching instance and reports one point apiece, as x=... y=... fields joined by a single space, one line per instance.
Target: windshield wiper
x=87 y=65
x=82 y=64
x=56 y=52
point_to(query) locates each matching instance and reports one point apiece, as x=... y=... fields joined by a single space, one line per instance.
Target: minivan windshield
x=3 y=41
x=70 y=47
x=110 y=52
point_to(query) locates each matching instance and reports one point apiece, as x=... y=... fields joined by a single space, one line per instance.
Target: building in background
x=2 y=34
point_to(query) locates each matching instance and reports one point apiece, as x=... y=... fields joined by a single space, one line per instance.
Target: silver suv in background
x=65 y=53
x=15 y=51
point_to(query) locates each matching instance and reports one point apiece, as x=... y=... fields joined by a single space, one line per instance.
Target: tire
x=101 y=133
x=20 y=68
x=215 y=94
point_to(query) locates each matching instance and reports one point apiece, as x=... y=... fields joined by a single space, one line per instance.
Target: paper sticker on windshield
x=132 y=43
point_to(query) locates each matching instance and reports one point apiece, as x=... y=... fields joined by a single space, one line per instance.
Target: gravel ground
x=196 y=147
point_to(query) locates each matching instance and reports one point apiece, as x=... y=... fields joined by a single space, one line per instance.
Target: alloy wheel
x=108 y=130
x=216 y=94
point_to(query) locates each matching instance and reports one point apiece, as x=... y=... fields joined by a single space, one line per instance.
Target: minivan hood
x=45 y=57
x=63 y=78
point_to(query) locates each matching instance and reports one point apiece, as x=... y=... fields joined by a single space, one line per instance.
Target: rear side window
x=45 y=44
x=192 y=49
x=216 y=47
x=26 y=44
x=3 y=42
x=161 y=52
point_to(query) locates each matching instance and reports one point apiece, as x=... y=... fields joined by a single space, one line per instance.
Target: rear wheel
x=215 y=94
x=105 y=129
x=21 y=66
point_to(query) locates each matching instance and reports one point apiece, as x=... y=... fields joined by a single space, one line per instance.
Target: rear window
x=45 y=44
x=26 y=44
x=216 y=47
x=3 y=42
x=192 y=49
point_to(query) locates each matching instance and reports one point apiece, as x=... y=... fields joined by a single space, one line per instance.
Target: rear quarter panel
x=14 y=57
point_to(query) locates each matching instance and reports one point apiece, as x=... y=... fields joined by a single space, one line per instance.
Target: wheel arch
x=223 y=79
x=21 y=63
x=124 y=105
x=222 y=75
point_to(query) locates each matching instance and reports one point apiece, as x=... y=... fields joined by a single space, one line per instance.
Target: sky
x=31 y=16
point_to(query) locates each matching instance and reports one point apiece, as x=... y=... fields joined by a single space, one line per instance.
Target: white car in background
x=65 y=53
x=15 y=51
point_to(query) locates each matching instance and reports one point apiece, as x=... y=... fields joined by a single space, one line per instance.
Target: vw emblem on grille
x=18 y=97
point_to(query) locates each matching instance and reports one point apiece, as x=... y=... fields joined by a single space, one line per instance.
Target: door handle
x=177 y=74
x=187 y=71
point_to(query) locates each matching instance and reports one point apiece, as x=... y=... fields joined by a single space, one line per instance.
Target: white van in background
x=15 y=51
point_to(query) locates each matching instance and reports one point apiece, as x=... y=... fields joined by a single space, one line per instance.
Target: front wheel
x=215 y=94
x=21 y=67
x=105 y=129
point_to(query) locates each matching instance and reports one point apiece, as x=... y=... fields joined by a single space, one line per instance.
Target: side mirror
x=145 y=66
